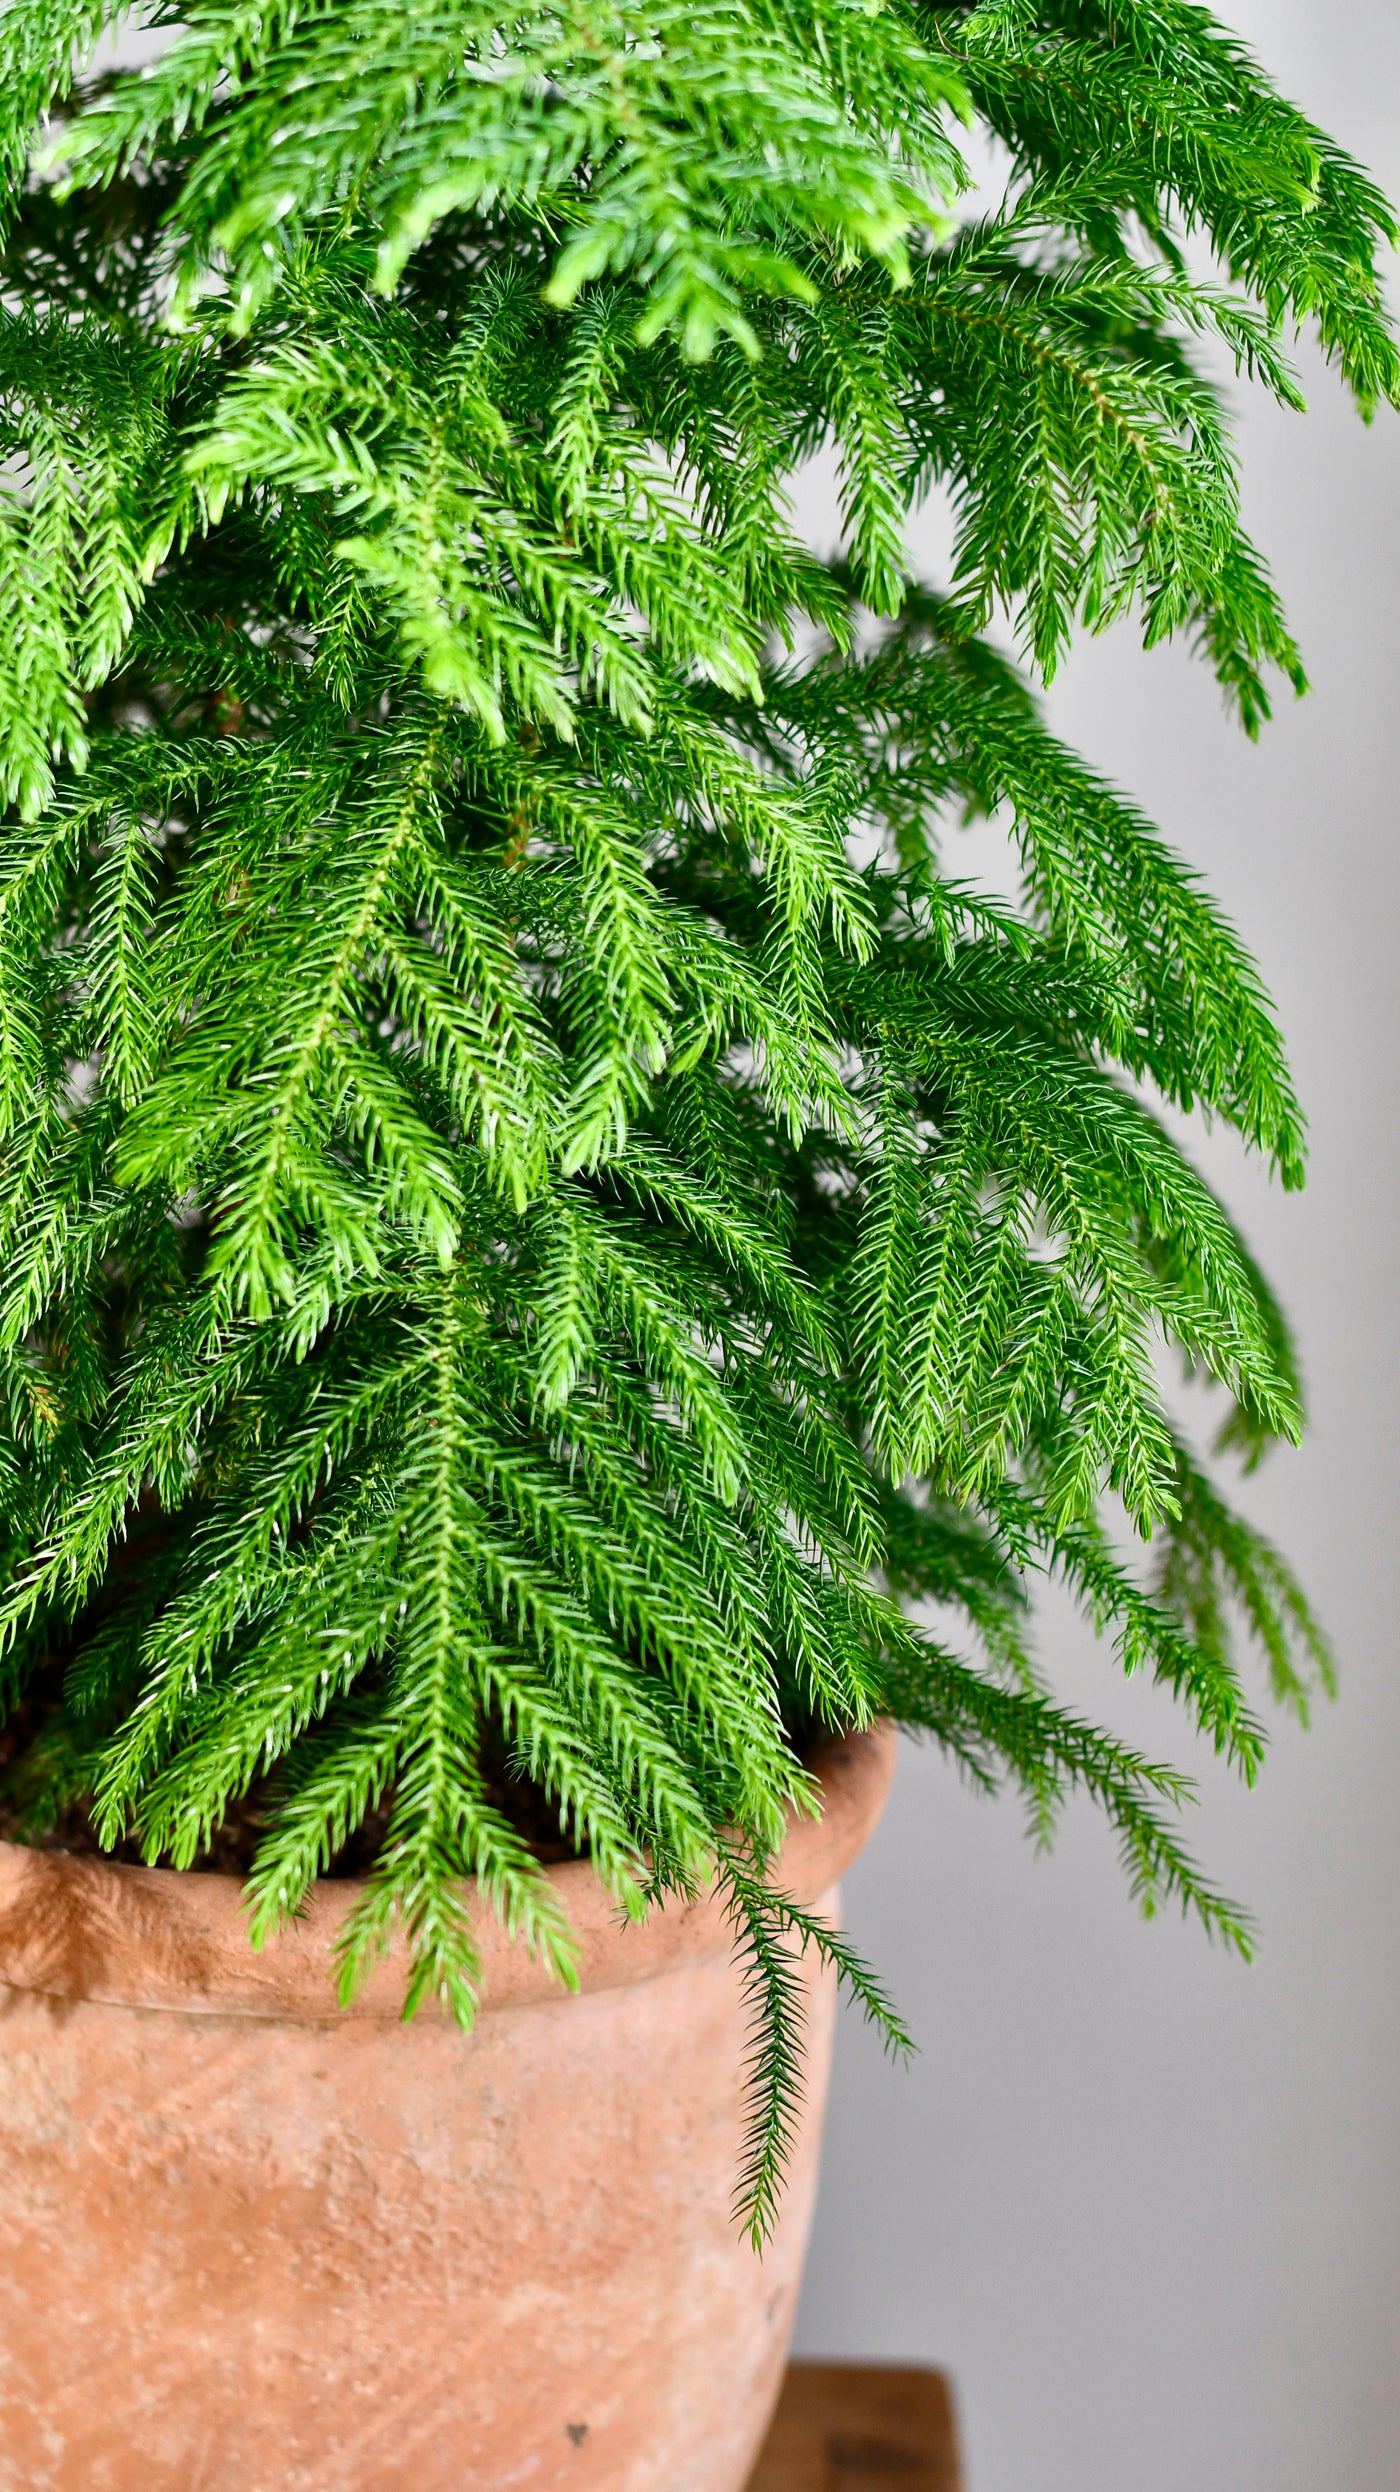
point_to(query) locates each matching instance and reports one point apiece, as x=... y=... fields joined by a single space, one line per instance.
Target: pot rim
x=78 y=1927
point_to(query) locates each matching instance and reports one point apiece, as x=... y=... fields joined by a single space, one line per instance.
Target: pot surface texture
x=254 y=2244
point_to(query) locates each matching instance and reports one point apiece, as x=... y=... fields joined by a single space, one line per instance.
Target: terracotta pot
x=249 y=2243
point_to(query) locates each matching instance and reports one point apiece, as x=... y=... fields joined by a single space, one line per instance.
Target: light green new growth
x=533 y=1208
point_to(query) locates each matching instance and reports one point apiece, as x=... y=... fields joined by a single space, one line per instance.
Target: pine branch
x=771 y=1933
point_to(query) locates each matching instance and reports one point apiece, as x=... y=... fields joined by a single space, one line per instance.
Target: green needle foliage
x=534 y=1209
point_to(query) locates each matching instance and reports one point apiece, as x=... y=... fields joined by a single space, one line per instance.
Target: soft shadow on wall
x=1141 y=2201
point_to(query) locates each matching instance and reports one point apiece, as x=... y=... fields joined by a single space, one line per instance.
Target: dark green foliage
x=533 y=1206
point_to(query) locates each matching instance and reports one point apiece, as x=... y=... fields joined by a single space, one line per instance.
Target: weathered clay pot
x=251 y=2244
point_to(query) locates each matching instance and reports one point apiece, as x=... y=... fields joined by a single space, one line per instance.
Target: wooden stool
x=860 y=2427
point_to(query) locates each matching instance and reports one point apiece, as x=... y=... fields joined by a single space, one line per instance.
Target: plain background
x=1143 y=2202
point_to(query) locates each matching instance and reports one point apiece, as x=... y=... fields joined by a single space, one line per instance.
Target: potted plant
x=540 y=1215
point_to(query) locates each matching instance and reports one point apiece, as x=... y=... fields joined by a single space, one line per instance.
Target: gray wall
x=1143 y=2202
